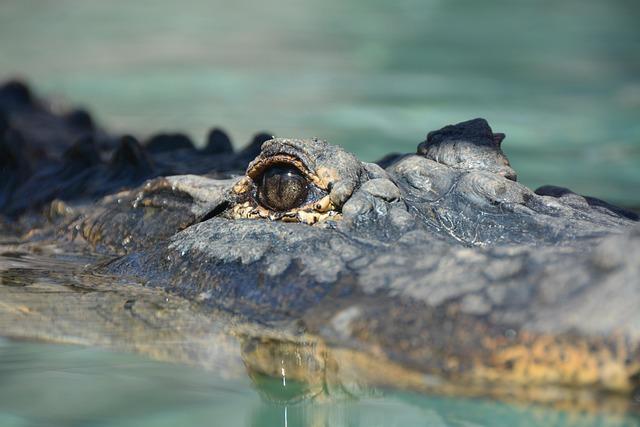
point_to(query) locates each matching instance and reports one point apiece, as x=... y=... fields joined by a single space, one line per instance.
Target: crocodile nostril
x=282 y=188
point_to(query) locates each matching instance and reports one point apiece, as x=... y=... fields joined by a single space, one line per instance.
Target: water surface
x=51 y=385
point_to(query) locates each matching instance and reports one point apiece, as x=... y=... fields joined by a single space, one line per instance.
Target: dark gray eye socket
x=282 y=188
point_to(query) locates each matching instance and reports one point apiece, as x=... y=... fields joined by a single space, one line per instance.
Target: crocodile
x=434 y=271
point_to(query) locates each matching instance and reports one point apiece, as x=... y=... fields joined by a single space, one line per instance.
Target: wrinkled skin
x=438 y=272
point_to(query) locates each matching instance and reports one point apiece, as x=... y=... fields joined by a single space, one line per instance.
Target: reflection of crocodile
x=437 y=263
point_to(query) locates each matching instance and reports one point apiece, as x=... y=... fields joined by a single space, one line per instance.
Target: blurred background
x=560 y=78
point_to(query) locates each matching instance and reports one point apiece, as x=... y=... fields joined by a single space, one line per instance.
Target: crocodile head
x=441 y=262
x=438 y=264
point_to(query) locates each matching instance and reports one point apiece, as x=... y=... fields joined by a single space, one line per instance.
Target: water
x=562 y=79
x=50 y=385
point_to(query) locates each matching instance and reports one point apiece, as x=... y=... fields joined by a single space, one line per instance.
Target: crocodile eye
x=281 y=188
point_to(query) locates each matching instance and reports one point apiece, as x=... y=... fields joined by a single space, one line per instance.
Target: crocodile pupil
x=282 y=188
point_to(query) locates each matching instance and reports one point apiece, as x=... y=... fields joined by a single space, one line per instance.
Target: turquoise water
x=561 y=78
x=49 y=385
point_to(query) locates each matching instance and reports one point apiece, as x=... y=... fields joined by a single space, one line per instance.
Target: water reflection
x=290 y=369
x=44 y=384
x=287 y=372
x=284 y=373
